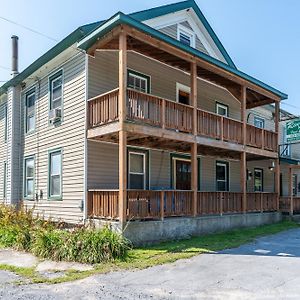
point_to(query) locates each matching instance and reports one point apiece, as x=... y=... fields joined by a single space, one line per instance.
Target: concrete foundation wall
x=181 y=228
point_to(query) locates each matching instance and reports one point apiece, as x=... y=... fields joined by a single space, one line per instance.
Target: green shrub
x=44 y=238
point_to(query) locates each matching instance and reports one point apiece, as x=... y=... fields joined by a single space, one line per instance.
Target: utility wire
x=5 y=68
x=30 y=29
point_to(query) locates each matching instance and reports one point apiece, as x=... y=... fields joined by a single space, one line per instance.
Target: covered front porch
x=160 y=204
x=159 y=182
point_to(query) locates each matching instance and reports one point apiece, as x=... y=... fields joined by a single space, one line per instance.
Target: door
x=182 y=174
x=222 y=176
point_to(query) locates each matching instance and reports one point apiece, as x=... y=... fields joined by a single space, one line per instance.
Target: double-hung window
x=30 y=112
x=222 y=176
x=55 y=174
x=222 y=109
x=259 y=122
x=186 y=36
x=137 y=170
x=56 y=90
x=29 y=177
x=258 y=180
x=138 y=81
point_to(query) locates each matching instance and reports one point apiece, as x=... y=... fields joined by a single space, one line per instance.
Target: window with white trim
x=138 y=81
x=186 y=36
x=29 y=177
x=258 y=180
x=30 y=112
x=222 y=176
x=222 y=109
x=137 y=170
x=259 y=122
x=55 y=173
x=183 y=93
x=56 y=90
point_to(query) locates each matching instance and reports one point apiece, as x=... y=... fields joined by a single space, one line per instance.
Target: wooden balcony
x=151 y=110
x=153 y=204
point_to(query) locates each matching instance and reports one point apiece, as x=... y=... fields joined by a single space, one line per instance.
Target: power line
x=5 y=68
x=30 y=29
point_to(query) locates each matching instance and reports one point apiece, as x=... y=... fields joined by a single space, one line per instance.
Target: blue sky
x=261 y=36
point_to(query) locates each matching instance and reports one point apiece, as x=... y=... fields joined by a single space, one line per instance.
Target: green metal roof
x=86 y=35
x=70 y=40
x=171 y=8
x=121 y=18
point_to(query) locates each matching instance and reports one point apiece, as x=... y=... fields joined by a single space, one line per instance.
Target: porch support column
x=291 y=191
x=244 y=154
x=194 y=179
x=277 y=162
x=122 y=132
x=194 y=147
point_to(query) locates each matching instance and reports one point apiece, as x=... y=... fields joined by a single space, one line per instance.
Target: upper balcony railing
x=156 y=111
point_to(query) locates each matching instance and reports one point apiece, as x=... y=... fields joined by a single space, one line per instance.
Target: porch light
x=249 y=175
x=272 y=167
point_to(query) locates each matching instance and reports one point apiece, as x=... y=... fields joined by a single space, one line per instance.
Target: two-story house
x=141 y=117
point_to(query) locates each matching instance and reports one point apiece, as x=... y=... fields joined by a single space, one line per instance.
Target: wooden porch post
x=244 y=154
x=277 y=163
x=291 y=191
x=122 y=133
x=194 y=179
x=194 y=147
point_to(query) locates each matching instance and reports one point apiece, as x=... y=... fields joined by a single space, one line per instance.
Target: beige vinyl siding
x=69 y=137
x=3 y=144
x=103 y=169
x=262 y=112
x=103 y=77
x=268 y=182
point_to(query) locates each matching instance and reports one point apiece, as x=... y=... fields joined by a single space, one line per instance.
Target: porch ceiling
x=146 y=45
x=138 y=140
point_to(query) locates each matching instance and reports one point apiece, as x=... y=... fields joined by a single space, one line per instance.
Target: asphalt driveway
x=266 y=269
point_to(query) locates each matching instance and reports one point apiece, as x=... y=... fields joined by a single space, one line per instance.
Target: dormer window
x=186 y=36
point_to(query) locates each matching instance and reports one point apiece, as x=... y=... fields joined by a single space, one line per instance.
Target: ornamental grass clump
x=21 y=230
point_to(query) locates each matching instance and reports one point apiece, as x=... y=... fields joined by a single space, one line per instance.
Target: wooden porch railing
x=103 y=109
x=163 y=113
x=103 y=204
x=261 y=202
x=261 y=138
x=144 y=107
x=152 y=204
x=285 y=204
x=212 y=203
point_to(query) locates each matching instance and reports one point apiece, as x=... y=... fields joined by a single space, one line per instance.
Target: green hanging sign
x=293 y=131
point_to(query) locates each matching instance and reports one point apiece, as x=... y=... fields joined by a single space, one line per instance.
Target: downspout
x=85 y=172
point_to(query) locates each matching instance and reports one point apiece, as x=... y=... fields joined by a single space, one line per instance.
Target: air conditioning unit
x=54 y=115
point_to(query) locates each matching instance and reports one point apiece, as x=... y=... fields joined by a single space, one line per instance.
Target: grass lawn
x=167 y=252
